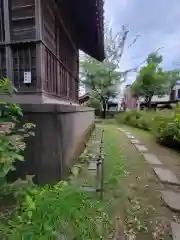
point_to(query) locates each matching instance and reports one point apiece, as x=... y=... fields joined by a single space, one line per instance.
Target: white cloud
x=156 y=21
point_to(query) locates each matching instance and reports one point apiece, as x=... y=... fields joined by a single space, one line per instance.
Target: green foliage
x=11 y=138
x=164 y=125
x=151 y=79
x=167 y=129
x=6 y=87
x=94 y=103
x=134 y=118
x=103 y=78
x=54 y=212
x=173 y=76
x=169 y=133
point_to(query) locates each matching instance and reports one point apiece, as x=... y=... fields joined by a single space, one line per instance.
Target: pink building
x=129 y=102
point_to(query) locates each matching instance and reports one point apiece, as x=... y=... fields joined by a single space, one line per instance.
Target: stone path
x=151 y=159
x=172 y=200
x=141 y=148
x=167 y=177
x=175 y=230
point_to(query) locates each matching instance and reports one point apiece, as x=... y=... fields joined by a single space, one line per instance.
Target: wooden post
x=6 y=21
x=9 y=64
x=40 y=66
x=38 y=13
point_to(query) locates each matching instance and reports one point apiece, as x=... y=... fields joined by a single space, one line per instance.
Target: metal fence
x=96 y=163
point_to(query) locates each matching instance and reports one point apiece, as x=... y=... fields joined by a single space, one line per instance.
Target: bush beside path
x=164 y=125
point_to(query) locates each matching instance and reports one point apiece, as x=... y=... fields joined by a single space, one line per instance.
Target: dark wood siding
x=50 y=56
x=24 y=59
x=67 y=53
x=22 y=19
x=61 y=58
x=49 y=26
x=3 y=69
x=2 y=33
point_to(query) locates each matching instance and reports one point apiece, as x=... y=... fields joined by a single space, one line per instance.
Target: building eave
x=87 y=17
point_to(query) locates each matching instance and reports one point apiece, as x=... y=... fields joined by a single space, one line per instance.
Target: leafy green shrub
x=144 y=123
x=55 y=212
x=167 y=129
x=11 y=138
x=128 y=117
x=168 y=133
x=165 y=125
x=159 y=120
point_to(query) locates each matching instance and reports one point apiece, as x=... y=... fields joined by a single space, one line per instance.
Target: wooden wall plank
x=22 y=20
x=7 y=21
x=38 y=14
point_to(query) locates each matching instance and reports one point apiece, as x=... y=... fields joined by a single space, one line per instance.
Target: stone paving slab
x=130 y=136
x=166 y=176
x=175 y=227
x=135 y=141
x=141 y=148
x=92 y=166
x=152 y=159
x=122 y=130
x=127 y=133
x=171 y=199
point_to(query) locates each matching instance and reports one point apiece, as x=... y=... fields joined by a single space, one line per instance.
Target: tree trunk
x=149 y=102
x=138 y=104
x=104 y=110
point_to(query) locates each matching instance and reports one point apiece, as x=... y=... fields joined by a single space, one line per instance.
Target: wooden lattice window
x=3 y=70
x=50 y=73
x=58 y=80
x=2 y=33
x=24 y=60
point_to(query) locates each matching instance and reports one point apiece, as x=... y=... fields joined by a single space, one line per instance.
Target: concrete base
x=60 y=137
x=37 y=98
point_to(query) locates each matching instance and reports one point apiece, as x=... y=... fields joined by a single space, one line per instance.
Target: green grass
x=130 y=203
x=113 y=174
x=51 y=211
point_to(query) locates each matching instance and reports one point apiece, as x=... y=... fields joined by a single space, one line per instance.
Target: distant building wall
x=130 y=102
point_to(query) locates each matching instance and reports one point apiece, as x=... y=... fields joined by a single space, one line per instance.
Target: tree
x=151 y=79
x=94 y=103
x=173 y=76
x=103 y=78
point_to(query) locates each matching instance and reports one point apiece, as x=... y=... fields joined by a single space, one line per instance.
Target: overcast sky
x=157 y=22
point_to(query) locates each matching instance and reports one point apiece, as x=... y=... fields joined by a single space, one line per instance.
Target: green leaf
x=19 y=157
